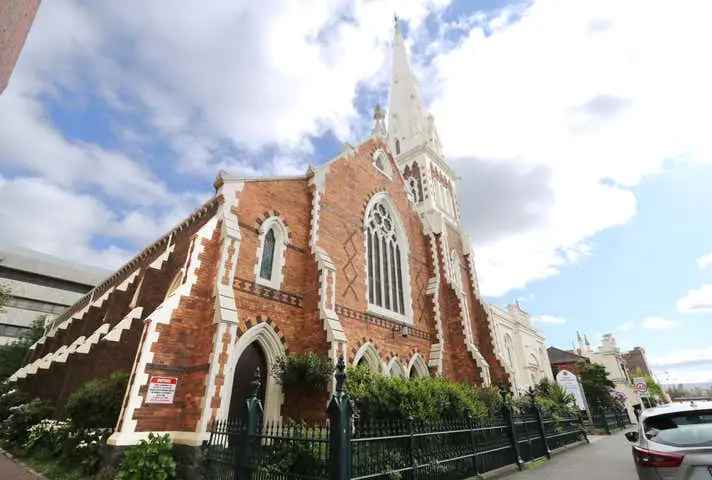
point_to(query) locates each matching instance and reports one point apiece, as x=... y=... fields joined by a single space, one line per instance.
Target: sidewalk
x=606 y=457
x=10 y=470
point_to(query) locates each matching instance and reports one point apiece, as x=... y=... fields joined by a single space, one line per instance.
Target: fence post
x=340 y=414
x=251 y=416
x=473 y=445
x=540 y=422
x=411 y=446
x=604 y=418
x=509 y=418
x=583 y=427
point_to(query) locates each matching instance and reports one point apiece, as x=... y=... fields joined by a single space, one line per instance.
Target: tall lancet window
x=386 y=261
x=271 y=253
x=267 y=256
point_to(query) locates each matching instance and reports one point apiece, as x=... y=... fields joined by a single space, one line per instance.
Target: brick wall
x=16 y=18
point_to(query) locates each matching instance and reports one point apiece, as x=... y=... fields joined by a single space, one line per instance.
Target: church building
x=363 y=257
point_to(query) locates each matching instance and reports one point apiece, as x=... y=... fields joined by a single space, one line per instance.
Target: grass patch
x=53 y=468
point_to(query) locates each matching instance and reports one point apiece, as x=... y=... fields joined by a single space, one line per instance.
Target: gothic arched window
x=397 y=146
x=271 y=253
x=386 y=253
x=508 y=349
x=414 y=189
x=267 y=256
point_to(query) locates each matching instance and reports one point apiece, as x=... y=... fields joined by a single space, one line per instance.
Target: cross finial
x=395 y=20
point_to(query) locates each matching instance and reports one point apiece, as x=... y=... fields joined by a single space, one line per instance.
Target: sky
x=579 y=131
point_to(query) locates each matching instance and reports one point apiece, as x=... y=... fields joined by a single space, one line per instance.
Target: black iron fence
x=346 y=448
x=609 y=418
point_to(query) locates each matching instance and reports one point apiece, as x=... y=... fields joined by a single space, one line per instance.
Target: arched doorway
x=252 y=358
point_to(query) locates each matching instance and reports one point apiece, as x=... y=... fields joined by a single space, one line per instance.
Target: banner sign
x=161 y=390
x=569 y=382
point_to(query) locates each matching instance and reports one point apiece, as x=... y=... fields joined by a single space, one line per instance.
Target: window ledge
x=273 y=284
x=388 y=315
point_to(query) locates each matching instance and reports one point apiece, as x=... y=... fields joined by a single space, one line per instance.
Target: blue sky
x=579 y=131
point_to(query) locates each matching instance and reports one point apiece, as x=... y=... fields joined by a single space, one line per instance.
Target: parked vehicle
x=674 y=442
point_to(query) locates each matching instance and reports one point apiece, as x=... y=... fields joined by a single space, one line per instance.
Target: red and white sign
x=161 y=390
x=641 y=386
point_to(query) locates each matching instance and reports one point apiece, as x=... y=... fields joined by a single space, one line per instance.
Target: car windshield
x=682 y=429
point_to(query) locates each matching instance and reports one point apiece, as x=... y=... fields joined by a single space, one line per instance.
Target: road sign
x=640 y=386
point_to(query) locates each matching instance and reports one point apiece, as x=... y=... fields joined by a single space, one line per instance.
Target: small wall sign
x=161 y=390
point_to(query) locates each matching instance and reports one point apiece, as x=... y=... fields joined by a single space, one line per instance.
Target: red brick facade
x=16 y=18
x=195 y=334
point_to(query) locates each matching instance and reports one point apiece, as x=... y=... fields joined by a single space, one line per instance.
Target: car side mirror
x=632 y=436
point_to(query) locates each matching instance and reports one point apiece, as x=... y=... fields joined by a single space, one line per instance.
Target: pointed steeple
x=409 y=125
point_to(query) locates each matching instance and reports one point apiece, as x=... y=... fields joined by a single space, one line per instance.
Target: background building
x=521 y=347
x=636 y=360
x=609 y=355
x=564 y=360
x=40 y=285
x=16 y=18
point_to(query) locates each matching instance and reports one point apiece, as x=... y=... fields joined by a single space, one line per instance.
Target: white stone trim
x=123 y=286
x=160 y=260
x=335 y=334
x=271 y=345
x=418 y=363
x=94 y=338
x=226 y=317
x=437 y=350
x=373 y=358
x=125 y=324
x=192 y=439
x=395 y=362
x=162 y=315
x=281 y=239
x=387 y=169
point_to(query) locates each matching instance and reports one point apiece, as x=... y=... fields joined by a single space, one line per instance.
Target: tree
x=596 y=384
x=12 y=355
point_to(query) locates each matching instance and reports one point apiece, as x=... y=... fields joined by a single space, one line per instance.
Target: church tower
x=414 y=141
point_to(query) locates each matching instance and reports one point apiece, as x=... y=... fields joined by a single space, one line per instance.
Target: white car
x=674 y=442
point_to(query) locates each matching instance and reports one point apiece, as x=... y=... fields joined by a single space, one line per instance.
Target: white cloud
x=586 y=99
x=551 y=319
x=696 y=300
x=657 y=323
x=705 y=261
x=578 y=111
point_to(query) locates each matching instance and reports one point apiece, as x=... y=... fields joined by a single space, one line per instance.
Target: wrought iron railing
x=609 y=418
x=345 y=448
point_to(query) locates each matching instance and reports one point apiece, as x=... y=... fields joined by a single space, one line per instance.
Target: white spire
x=408 y=122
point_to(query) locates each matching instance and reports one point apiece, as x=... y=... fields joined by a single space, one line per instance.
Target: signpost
x=161 y=390
x=569 y=382
x=641 y=386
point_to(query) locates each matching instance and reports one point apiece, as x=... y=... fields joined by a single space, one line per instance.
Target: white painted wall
x=529 y=362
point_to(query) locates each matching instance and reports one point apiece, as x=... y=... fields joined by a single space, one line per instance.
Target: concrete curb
x=19 y=462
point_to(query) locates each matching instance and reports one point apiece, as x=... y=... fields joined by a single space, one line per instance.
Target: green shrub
x=149 y=460
x=47 y=436
x=84 y=447
x=97 y=403
x=308 y=371
x=425 y=399
x=293 y=457
x=15 y=429
x=10 y=396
